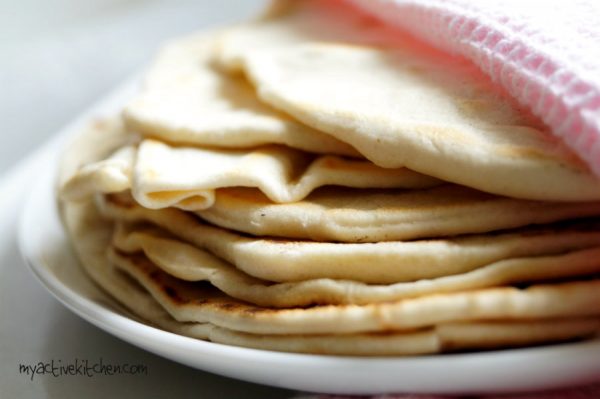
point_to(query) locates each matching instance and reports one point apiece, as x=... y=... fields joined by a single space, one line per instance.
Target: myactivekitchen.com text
x=80 y=367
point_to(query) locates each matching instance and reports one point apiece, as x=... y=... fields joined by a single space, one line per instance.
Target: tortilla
x=401 y=103
x=98 y=139
x=369 y=215
x=465 y=305
x=200 y=302
x=186 y=262
x=90 y=235
x=186 y=177
x=449 y=337
x=186 y=100
x=110 y=175
x=162 y=176
x=192 y=179
x=285 y=260
x=292 y=22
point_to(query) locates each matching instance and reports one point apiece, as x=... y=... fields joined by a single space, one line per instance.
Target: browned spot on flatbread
x=122 y=200
x=170 y=291
x=143 y=264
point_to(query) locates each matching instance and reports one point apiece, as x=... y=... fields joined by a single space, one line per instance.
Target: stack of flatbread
x=314 y=182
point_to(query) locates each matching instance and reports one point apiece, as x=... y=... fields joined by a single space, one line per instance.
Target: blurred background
x=58 y=57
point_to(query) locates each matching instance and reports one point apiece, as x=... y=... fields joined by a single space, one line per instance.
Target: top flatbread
x=291 y=22
x=404 y=104
x=186 y=100
x=192 y=178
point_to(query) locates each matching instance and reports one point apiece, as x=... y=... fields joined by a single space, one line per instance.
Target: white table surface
x=56 y=58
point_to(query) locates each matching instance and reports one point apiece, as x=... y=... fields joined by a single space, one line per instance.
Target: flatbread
x=200 y=302
x=295 y=22
x=449 y=337
x=442 y=322
x=110 y=175
x=90 y=235
x=99 y=138
x=190 y=178
x=405 y=104
x=187 y=100
x=161 y=175
x=186 y=262
x=284 y=260
x=186 y=177
x=349 y=215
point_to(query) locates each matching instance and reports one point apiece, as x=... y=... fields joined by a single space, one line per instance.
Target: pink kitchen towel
x=546 y=54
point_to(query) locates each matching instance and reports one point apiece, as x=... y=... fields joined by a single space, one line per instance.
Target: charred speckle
x=172 y=294
x=227 y=306
x=522 y=286
x=119 y=200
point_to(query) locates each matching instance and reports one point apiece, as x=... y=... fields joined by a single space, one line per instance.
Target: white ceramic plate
x=44 y=246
